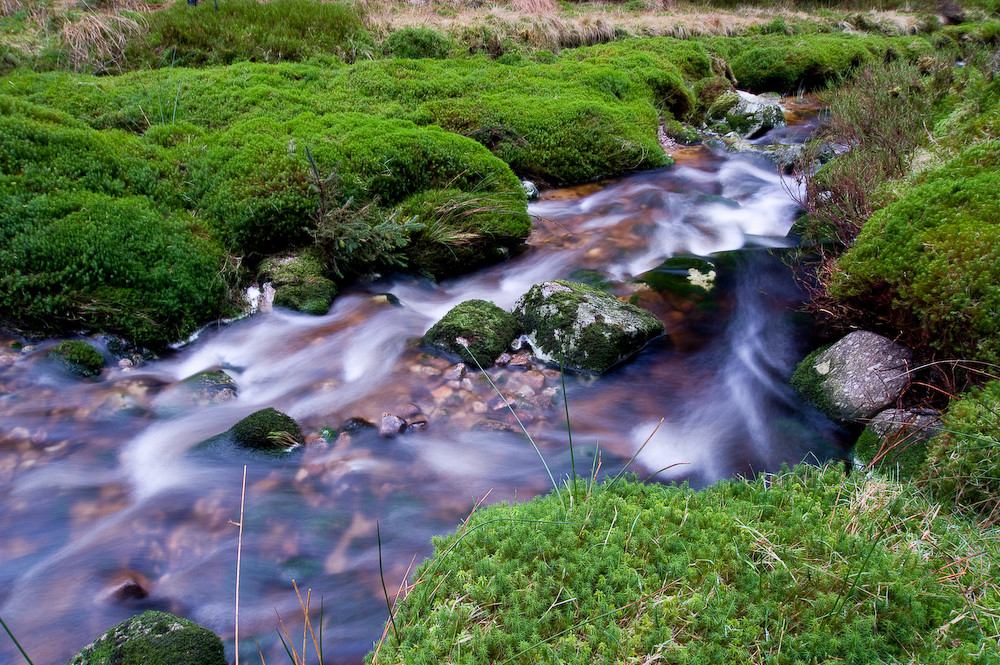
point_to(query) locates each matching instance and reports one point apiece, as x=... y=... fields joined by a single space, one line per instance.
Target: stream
x=109 y=509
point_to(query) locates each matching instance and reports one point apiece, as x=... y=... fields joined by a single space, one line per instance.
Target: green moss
x=809 y=382
x=238 y=30
x=300 y=283
x=267 y=429
x=485 y=329
x=928 y=263
x=413 y=43
x=79 y=357
x=904 y=454
x=582 y=327
x=963 y=466
x=630 y=572
x=154 y=638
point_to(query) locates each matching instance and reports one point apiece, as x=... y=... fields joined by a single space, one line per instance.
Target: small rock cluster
x=859 y=382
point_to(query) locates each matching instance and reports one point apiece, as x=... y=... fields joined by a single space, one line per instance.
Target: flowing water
x=108 y=509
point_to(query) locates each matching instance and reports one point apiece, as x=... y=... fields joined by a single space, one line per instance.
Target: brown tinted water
x=109 y=508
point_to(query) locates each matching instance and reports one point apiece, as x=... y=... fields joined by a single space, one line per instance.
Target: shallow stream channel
x=109 y=506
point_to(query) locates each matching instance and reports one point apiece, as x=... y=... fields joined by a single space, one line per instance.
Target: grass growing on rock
x=802 y=566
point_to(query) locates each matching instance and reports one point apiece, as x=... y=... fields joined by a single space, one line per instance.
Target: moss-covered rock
x=582 y=327
x=267 y=429
x=300 y=282
x=475 y=327
x=854 y=378
x=896 y=441
x=79 y=357
x=154 y=638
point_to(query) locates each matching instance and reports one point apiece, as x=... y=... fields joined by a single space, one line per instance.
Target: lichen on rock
x=582 y=327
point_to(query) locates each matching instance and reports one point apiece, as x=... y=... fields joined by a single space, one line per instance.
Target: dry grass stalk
x=98 y=37
x=9 y=7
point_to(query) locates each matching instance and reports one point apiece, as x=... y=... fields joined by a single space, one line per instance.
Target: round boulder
x=475 y=327
x=856 y=377
x=585 y=328
x=154 y=638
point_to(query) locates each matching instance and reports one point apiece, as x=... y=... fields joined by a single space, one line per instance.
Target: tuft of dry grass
x=9 y=7
x=99 y=37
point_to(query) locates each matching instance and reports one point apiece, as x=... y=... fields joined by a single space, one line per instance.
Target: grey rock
x=861 y=374
x=585 y=328
x=391 y=425
x=750 y=116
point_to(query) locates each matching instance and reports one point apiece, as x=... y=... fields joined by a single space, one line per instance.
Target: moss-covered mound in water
x=267 y=429
x=802 y=567
x=79 y=357
x=154 y=638
x=475 y=327
x=581 y=327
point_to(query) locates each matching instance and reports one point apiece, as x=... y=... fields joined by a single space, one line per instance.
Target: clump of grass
x=99 y=38
x=802 y=566
x=963 y=467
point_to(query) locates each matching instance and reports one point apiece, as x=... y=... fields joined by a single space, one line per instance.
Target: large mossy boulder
x=584 y=328
x=854 y=378
x=154 y=638
x=475 y=327
x=267 y=429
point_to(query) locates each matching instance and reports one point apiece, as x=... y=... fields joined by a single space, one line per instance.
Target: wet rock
x=130 y=585
x=267 y=429
x=750 y=116
x=502 y=360
x=210 y=387
x=475 y=327
x=300 y=282
x=520 y=360
x=490 y=425
x=856 y=377
x=534 y=379
x=154 y=638
x=418 y=422
x=530 y=190
x=456 y=372
x=896 y=440
x=391 y=426
x=587 y=329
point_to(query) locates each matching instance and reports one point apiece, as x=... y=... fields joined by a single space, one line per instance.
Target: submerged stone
x=154 y=638
x=585 y=328
x=475 y=327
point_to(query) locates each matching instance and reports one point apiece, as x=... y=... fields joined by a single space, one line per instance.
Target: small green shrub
x=414 y=43
x=963 y=463
x=79 y=357
x=807 y=563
